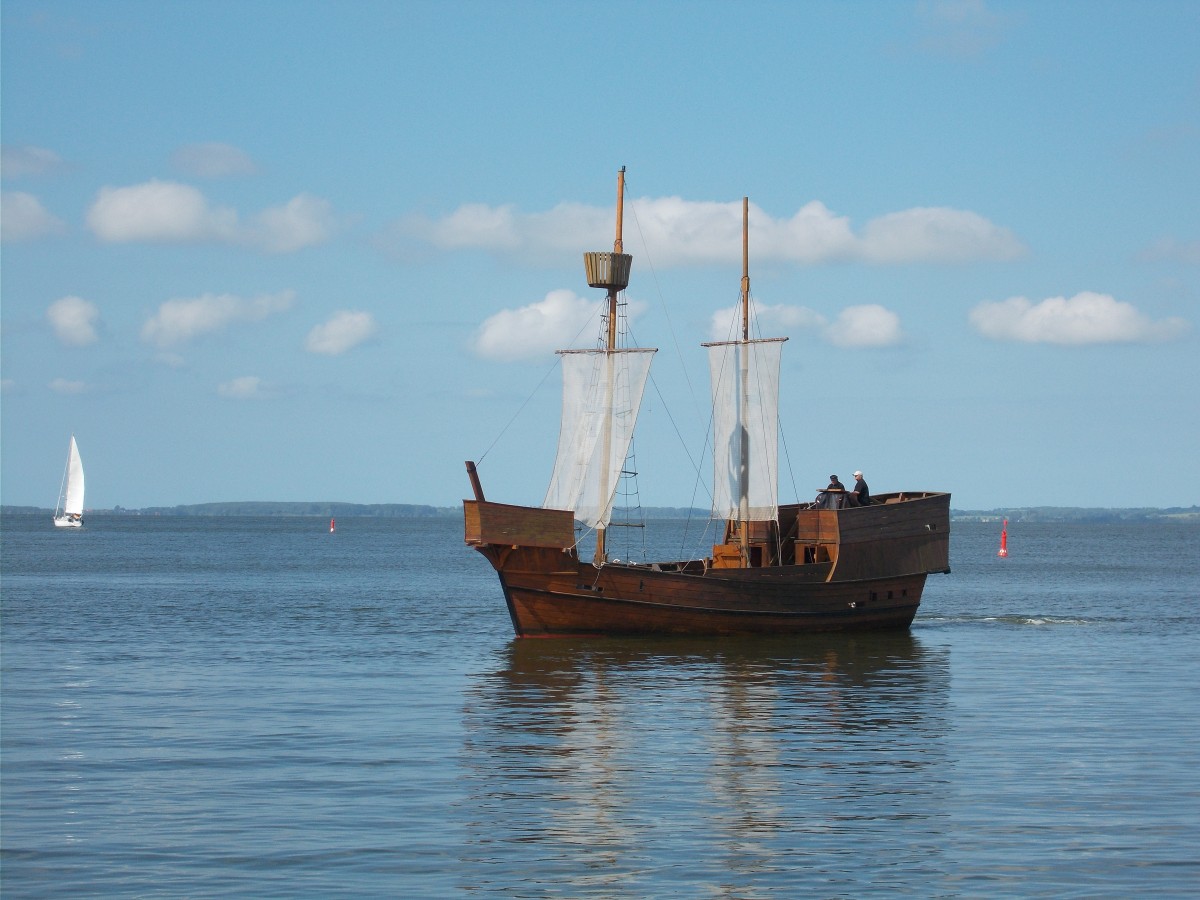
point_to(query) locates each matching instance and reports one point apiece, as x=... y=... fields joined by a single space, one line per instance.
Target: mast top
x=611 y=270
x=618 y=246
x=745 y=268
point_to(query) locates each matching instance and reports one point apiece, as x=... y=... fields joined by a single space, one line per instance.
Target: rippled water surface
x=255 y=707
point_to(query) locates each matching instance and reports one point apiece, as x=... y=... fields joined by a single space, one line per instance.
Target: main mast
x=744 y=396
x=611 y=272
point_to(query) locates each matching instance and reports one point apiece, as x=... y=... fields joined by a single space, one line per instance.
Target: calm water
x=257 y=708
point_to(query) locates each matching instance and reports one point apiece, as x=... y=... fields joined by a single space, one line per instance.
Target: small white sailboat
x=69 y=512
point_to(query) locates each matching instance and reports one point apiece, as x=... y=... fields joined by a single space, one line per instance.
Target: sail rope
x=554 y=365
x=699 y=481
x=663 y=306
x=782 y=433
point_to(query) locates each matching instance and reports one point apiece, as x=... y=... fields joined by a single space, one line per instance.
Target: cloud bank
x=680 y=232
x=1086 y=318
x=346 y=330
x=212 y=160
x=960 y=29
x=1169 y=249
x=74 y=321
x=25 y=160
x=24 y=218
x=866 y=326
x=536 y=330
x=68 y=387
x=247 y=387
x=870 y=325
x=170 y=212
x=181 y=320
x=769 y=321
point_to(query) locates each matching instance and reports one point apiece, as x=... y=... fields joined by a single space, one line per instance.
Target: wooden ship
x=780 y=569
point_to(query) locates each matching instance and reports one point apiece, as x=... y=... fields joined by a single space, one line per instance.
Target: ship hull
x=839 y=570
x=620 y=600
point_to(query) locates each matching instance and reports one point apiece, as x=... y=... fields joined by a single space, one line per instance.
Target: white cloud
x=302 y=222
x=936 y=235
x=869 y=325
x=182 y=319
x=170 y=359
x=1086 y=318
x=475 y=225
x=347 y=329
x=65 y=386
x=170 y=212
x=159 y=211
x=959 y=28
x=23 y=217
x=1171 y=250
x=247 y=387
x=768 y=321
x=212 y=160
x=74 y=320
x=535 y=330
x=681 y=232
x=26 y=160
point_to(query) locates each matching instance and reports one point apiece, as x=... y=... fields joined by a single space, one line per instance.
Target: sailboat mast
x=743 y=432
x=618 y=247
x=62 y=488
x=601 y=554
x=745 y=269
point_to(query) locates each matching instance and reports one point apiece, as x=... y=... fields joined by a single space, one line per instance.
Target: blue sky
x=324 y=251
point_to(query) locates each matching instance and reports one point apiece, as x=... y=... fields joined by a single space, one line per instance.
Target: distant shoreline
x=417 y=511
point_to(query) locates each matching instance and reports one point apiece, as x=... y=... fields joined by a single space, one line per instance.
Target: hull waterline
x=692 y=605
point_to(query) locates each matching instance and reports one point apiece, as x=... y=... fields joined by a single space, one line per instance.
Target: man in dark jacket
x=861 y=494
x=827 y=500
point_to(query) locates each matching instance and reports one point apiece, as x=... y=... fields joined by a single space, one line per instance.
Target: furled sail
x=73 y=504
x=745 y=393
x=602 y=393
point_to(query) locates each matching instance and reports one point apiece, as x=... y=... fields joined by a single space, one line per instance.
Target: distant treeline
x=412 y=511
x=265 y=508
x=1078 y=514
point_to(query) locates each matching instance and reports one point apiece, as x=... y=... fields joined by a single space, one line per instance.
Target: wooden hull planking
x=859 y=569
x=622 y=600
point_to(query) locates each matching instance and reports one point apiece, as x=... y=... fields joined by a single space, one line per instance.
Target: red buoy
x=332 y=526
x=1004 y=540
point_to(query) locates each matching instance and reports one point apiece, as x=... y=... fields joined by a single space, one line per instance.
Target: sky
x=318 y=251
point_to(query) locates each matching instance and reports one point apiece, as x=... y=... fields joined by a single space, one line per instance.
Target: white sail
x=745 y=393
x=602 y=393
x=70 y=500
x=73 y=504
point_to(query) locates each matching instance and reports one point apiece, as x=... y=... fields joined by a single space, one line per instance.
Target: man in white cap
x=860 y=492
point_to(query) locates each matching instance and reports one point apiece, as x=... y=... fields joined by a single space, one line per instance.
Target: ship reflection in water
x=722 y=767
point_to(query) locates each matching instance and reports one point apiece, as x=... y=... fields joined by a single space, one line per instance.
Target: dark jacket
x=862 y=492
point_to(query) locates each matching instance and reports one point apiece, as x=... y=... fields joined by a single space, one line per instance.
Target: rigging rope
x=556 y=364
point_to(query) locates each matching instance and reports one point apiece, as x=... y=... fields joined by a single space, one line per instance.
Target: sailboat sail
x=602 y=394
x=745 y=394
x=73 y=502
x=70 y=497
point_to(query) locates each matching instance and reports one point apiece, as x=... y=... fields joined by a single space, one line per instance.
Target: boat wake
x=1039 y=621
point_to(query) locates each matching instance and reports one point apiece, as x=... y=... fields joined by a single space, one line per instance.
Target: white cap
x=857 y=474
